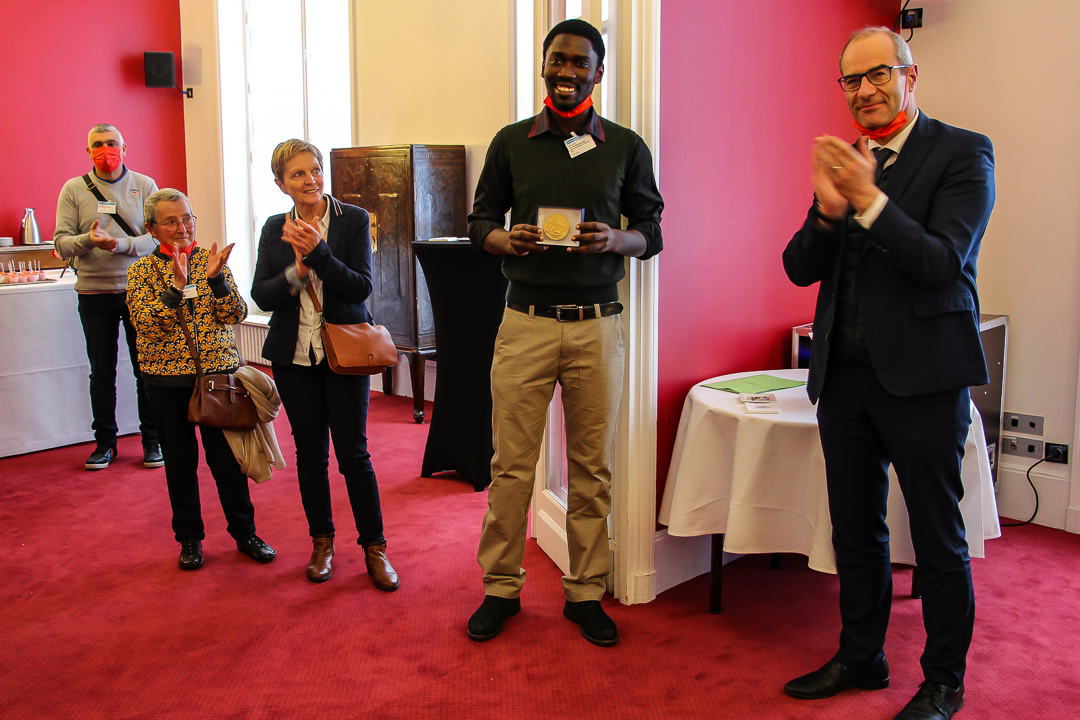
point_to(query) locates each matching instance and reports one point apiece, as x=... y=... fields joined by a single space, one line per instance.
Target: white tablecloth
x=760 y=479
x=44 y=373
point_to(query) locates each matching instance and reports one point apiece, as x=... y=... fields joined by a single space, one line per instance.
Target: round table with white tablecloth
x=44 y=373
x=759 y=480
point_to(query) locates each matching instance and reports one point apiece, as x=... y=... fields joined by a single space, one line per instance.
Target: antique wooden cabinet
x=413 y=192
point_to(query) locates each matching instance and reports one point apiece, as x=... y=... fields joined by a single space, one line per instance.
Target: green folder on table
x=754 y=384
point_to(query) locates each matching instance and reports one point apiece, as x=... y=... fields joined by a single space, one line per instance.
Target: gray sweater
x=77 y=209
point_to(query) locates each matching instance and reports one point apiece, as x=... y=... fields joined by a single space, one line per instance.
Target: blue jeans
x=101 y=316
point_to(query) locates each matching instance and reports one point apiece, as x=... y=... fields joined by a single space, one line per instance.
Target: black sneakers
x=152 y=457
x=100 y=458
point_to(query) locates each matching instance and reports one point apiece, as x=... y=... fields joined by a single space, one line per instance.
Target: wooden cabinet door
x=380 y=182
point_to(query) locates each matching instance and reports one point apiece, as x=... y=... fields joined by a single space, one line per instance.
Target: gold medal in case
x=559 y=224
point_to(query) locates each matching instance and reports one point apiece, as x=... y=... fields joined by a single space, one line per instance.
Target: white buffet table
x=44 y=373
x=759 y=480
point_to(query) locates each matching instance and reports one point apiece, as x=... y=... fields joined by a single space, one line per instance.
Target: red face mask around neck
x=106 y=158
x=881 y=133
x=169 y=249
x=585 y=105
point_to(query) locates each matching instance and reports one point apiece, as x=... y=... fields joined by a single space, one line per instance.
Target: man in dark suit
x=893 y=238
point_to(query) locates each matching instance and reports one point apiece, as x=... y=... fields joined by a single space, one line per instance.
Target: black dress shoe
x=487 y=621
x=596 y=626
x=100 y=458
x=255 y=548
x=834 y=677
x=934 y=701
x=152 y=457
x=190 y=554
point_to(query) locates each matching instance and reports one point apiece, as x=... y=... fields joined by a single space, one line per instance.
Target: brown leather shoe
x=379 y=568
x=322 y=552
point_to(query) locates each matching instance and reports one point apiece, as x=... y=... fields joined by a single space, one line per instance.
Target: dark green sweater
x=522 y=173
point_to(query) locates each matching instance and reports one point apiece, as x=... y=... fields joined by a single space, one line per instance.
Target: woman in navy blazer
x=321 y=246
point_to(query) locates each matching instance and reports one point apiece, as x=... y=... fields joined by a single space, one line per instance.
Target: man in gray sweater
x=95 y=217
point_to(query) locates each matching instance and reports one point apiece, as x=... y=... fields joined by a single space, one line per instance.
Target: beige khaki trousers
x=531 y=355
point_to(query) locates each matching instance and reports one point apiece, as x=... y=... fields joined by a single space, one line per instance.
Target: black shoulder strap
x=116 y=216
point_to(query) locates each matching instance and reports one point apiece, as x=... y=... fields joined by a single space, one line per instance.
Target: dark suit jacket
x=342 y=262
x=915 y=280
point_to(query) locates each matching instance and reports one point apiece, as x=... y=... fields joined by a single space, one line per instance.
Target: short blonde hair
x=289 y=149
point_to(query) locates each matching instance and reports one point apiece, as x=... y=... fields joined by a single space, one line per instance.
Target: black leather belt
x=569 y=313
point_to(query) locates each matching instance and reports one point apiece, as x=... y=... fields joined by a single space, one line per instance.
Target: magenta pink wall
x=67 y=65
x=744 y=89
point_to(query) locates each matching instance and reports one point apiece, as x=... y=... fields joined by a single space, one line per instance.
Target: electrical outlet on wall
x=1027 y=424
x=1022 y=447
x=1057 y=453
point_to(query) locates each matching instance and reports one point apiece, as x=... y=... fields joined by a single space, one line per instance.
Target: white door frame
x=633 y=518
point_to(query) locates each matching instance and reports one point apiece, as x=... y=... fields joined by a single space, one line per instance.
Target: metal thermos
x=29 y=234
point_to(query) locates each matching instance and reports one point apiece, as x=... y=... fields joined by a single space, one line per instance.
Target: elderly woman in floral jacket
x=182 y=283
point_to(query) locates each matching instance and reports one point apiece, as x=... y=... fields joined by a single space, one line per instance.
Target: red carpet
x=99 y=623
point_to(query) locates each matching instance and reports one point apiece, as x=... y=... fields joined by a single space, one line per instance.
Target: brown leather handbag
x=219 y=400
x=358 y=349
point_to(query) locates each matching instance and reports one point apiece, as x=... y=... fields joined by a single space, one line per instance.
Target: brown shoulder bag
x=220 y=400
x=358 y=349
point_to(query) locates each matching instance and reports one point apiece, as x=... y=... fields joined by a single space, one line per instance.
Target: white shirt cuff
x=867 y=218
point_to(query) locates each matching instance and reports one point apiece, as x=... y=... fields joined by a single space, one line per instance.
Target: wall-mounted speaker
x=160 y=69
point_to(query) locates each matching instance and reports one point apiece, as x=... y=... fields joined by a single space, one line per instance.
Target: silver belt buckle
x=559 y=313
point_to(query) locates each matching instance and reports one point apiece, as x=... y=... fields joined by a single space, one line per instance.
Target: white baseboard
x=1072 y=520
x=1016 y=500
x=679 y=559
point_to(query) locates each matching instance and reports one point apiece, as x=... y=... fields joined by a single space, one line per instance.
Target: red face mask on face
x=106 y=158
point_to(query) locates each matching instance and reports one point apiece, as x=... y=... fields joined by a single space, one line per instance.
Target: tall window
x=528 y=46
x=532 y=21
x=286 y=75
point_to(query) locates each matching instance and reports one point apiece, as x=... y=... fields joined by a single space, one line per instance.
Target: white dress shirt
x=308 y=338
x=867 y=218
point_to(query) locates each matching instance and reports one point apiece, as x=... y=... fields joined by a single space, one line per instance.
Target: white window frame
x=239 y=165
x=633 y=32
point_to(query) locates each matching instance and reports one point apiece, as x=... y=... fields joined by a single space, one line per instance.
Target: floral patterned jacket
x=164 y=358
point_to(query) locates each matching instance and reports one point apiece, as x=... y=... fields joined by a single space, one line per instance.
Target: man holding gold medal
x=566 y=176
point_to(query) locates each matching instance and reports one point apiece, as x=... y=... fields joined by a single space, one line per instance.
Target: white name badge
x=106 y=208
x=191 y=291
x=578 y=144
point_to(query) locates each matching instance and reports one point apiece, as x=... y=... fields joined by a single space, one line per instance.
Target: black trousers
x=322 y=405
x=181 y=451
x=863 y=428
x=102 y=315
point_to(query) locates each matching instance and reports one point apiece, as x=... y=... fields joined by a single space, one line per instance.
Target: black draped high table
x=468 y=295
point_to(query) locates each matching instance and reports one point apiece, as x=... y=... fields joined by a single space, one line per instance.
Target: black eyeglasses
x=877 y=76
x=172 y=225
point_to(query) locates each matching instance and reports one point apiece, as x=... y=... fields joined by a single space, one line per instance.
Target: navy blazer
x=342 y=262
x=915 y=281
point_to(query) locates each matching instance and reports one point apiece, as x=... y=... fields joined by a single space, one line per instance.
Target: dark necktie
x=882 y=155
